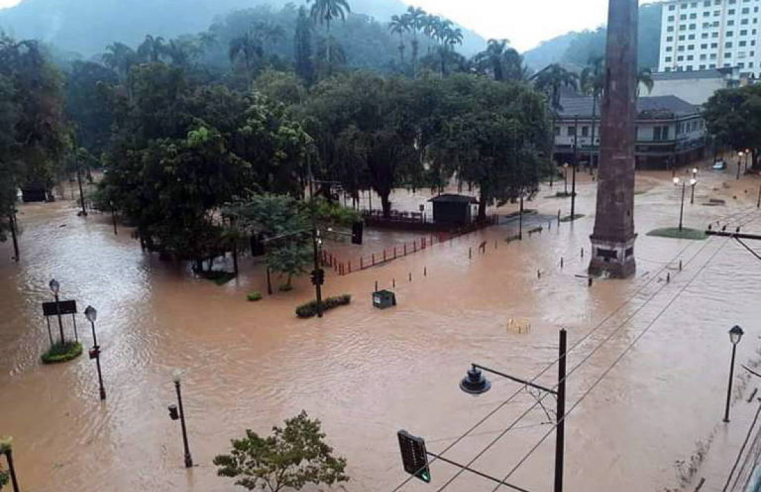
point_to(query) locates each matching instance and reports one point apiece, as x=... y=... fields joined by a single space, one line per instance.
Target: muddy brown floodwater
x=367 y=373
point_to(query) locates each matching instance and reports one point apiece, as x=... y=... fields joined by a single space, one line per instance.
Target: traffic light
x=173 y=413
x=318 y=277
x=357 y=229
x=414 y=456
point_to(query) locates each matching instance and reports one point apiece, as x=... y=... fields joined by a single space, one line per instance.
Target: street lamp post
x=475 y=383
x=735 y=335
x=693 y=181
x=758 y=203
x=739 y=163
x=91 y=314
x=175 y=415
x=55 y=287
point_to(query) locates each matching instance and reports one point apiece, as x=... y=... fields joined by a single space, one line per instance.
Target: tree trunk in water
x=12 y=220
x=482 y=209
x=386 y=204
x=235 y=259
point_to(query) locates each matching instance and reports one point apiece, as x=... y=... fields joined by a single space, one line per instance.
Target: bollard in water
x=589 y=281
x=425 y=271
x=668 y=277
x=410 y=276
x=538 y=274
x=561 y=262
x=549 y=225
x=393 y=283
x=582 y=252
x=558 y=217
x=376 y=286
x=470 y=252
x=495 y=244
x=680 y=265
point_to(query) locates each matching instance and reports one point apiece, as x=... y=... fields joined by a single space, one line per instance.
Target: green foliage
x=254 y=296
x=5 y=477
x=292 y=457
x=90 y=104
x=62 y=352
x=733 y=116
x=291 y=259
x=676 y=233
x=309 y=309
x=217 y=276
x=34 y=135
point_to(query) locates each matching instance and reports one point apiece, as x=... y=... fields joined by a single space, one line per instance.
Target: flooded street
x=367 y=373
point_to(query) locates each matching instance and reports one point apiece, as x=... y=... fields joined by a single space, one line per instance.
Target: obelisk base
x=612 y=258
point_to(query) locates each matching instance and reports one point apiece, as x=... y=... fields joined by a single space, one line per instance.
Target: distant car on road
x=720 y=165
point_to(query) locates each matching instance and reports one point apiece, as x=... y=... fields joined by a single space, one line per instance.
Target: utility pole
x=81 y=193
x=575 y=161
x=560 y=414
x=317 y=274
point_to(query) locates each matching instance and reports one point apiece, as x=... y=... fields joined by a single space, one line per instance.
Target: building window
x=680 y=58
x=704 y=46
x=727 y=55
x=702 y=67
x=731 y=12
x=693 y=16
x=744 y=22
x=744 y=32
x=741 y=65
x=571 y=131
x=584 y=131
x=669 y=48
x=706 y=14
x=707 y=3
x=671 y=18
x=668 y=59
x=672 y=7
x=746 y=10
x=683 y=17
x=689 y=68
x=712 y=65
x=715 y=23
x=692 y=27
x=691 y=37
x=669 y=39
x=716 y=13
x=714 y=34
x=704 y=35
x=750 y=64
x=712 y=56
x=703 y=57
x=728 y=44
x=714 y=45
x=660 y=133
x=690 y=57
x=557 y=131
x=730 y=23
x=668 y=69
x=670 y=29
x=730 y=34
x=740 y=54
x=742 y=43
x=690 y=47
x=681 y=37
x=682 y=27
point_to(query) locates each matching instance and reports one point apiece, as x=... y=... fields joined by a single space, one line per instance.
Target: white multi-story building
x=708 y=34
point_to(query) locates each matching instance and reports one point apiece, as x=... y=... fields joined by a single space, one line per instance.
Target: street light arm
x=513 y=378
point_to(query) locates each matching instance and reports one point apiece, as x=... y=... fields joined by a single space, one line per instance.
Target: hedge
x=254 y=296
x=310 y=308
x=62 y=352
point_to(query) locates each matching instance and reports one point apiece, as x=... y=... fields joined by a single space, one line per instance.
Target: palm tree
x=329 y=55
x=592 y=82
x=501 y=61
x=645 y=77
x=417 y=17
x=151 y=49
x=551 y=79
x=119 y=57
x=326 y=11
x=181 y=52
x=246 y=49
x=399 y=25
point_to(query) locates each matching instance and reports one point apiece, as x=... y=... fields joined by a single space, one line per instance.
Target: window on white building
x=691 y=37
x=681 y=37
x=731 y=12
x=742 y=43
x=680 y=58
x=571 y=131
x=744 y=32
x=746 y=10
x=703 y=57
x=584 y=131
x=692 y=27
x=668 y=59
x=714 y=45
x=690 y=57
x=683 y=17
x=690 y=47
x=671 y=18
x=730 y=34
x=730 y=23
x=702 y=67
x=704 y=35
x=670 y=29
x=741 y=65
x=728 y=44
x=672 y=7
x=744 y=22
x=704 y=46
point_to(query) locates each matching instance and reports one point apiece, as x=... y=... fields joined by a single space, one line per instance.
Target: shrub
x=285 y=288
x=310 y=308
x=254 y=296
x=217 y=276
x=62 y=352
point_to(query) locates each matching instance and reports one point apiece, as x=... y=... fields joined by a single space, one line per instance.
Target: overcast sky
x=524 y=22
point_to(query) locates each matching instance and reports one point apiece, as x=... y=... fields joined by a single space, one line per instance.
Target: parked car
x=720 y=165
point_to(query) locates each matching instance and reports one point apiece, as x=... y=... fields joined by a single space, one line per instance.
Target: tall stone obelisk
x=613 y=236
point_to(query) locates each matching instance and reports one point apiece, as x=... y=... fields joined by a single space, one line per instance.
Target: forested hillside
x=86 y=26
x=579 y=47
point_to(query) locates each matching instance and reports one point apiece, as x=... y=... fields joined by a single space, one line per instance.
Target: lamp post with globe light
x=92 y=314
x=735 y=335
x=693 y=181
x=55 y=287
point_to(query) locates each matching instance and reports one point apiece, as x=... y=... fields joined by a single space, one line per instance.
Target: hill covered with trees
x=579 y=47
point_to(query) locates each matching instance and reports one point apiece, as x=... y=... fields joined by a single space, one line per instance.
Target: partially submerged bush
x=310 y=308
x=254 y=296
x=62 y=352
